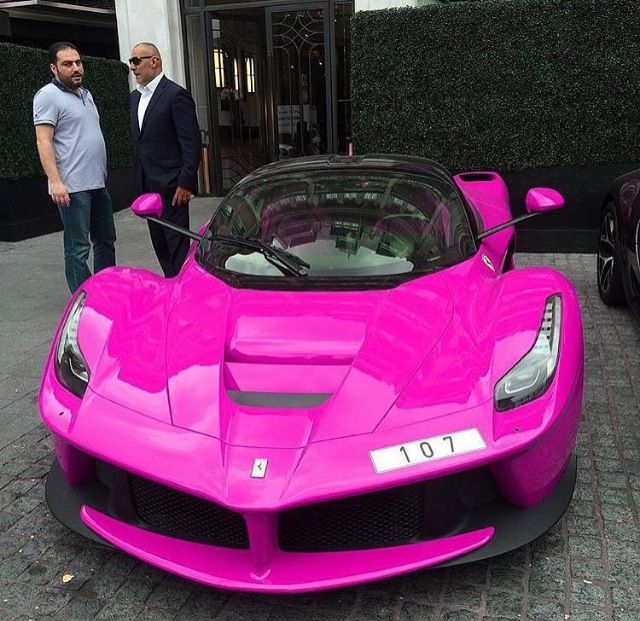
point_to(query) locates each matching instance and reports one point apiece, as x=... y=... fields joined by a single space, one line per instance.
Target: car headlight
x=71 y=369
x=531 y=376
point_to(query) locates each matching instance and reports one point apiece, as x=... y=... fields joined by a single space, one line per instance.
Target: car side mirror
x=537 y=202
x=148 y=205
x=541 y=200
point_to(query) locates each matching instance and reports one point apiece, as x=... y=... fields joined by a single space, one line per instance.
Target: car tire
x=610 y=285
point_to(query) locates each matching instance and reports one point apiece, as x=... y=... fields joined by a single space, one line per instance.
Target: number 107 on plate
x=427 y=449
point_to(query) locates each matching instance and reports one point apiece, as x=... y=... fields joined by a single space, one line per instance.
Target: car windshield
x=339 y=224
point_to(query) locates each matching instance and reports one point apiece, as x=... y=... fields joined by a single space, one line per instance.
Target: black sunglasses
x=136 y=60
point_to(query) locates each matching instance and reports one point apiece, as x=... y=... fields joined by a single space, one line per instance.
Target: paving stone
x=276 y=613
x=627 y=597
x=624 y=531
x=243 y=608
x=544 y=610
x=80 y=609
x=584 y=492
x=590 y=547
x=542 y=585
x=504 y=603
x=170 y=594
x=70 y=580
x=625 y=615
x=464 y=596
x=340 y=601
x=587 y=592
x=478 y=573
x=612 y=479
x=621 y=551
x=103 y=585
x=618 y=513
x=588 y=569
x=625 y=573
x=207 y=604
x=39 y=573
x=507 y=579
x=417 y=611
x=612 y=497
x=155 y=614
x=419 y=587
x=458 y=615
x=135 y=590
x=578 y=507
x=119 y=610
x=378 y=607
x=583 y=525
x=580 y=613
x=12 y=567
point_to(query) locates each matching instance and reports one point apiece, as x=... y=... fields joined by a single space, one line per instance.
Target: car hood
x=266 y=368
x=282 y=369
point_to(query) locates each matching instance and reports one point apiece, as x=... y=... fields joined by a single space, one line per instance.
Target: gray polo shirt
x=78 y=143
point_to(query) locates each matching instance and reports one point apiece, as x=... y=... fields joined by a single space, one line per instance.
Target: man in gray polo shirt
x=74 y=158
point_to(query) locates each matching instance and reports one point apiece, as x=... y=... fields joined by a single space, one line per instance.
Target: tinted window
x=343 y=224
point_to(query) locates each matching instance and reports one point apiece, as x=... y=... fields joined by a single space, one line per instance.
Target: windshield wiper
x=286 y=262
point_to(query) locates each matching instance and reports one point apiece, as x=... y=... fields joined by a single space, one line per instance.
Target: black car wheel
x=610 y=286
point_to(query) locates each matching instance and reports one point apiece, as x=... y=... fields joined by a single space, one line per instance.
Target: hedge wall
x=500 y=84
x=25 y=70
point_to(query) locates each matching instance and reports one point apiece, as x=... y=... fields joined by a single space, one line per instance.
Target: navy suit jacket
x=167 y=147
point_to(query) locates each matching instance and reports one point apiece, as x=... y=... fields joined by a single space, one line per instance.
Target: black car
x=619 y=244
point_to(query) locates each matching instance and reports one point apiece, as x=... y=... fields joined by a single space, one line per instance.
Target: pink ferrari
x=348 y=380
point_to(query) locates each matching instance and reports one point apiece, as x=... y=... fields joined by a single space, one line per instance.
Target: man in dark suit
x=166 y=141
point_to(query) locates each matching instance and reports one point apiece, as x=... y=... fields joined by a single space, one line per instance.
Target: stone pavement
x=586 y=568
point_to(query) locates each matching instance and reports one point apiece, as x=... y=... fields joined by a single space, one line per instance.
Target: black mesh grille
x=390 y=517
x=183 y=516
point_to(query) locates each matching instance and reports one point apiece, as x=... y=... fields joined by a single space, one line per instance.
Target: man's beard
x=69 y=82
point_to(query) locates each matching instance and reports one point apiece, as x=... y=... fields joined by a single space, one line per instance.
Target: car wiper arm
x=276 y=256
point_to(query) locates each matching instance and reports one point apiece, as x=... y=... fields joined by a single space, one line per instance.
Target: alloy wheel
x=606 y=251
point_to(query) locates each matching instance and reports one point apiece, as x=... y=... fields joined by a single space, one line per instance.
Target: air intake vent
x=387 y=518
x=474 y=177
x=180 y=515
x=278 y=399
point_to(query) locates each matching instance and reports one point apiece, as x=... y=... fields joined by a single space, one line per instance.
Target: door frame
x=270 y=7
x=330 y=74
x=215 y=162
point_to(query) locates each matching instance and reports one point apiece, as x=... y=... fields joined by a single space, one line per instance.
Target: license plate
x=429 y=449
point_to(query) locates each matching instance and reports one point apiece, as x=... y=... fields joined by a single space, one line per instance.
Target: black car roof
x=375 y=161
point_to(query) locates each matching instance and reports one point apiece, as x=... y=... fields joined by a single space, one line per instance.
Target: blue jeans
x=88 y=217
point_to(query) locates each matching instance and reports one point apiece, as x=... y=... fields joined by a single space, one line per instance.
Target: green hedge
x=500 y=84
x=25 y=70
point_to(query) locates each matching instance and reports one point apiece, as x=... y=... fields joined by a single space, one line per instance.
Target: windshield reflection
x=342 y=224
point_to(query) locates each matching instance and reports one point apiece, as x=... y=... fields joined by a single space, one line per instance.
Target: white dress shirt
x=146 y=93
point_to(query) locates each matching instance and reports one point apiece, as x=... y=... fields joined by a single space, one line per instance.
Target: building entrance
x=275 y=85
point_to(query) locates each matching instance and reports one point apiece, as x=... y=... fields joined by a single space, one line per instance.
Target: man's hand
x=59 y=194
x=181 y=197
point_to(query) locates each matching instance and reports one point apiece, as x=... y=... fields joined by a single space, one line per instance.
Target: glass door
x=240 y=94
x=300 y=61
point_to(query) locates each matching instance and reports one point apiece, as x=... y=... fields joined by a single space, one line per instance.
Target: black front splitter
x=514 y=526
x=65 y=501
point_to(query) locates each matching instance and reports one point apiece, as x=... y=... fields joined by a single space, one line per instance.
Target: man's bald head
x=148 y=48
x=145 y=62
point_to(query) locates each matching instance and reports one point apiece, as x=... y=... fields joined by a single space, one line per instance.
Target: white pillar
x=154 y=21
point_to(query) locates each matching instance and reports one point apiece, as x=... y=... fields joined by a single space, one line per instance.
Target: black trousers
x=170 y=247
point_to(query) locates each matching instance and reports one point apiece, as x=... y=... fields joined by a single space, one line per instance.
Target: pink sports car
x=348 y=380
